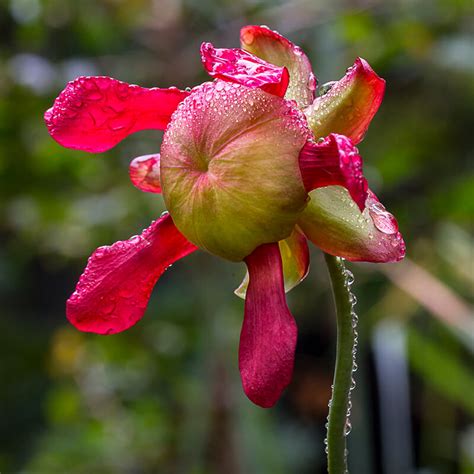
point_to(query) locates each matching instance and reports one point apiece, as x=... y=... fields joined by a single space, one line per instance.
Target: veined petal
x=113 y=292
x=295 y=258
x=276 y=49
x=350 y=105
x=269 y=333
x=237 y=65
x=144 y=173
x=334 y=223
x=95 y=113
x=335 y=160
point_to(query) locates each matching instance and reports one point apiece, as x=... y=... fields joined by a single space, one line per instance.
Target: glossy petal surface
x=237 y=65
x=295 y=258
x=95 y=113
x=113 y=292
x=333 y=222
x=335 y=160
x=229 y=168
x=350 y=104
x=144 y=173
x=269 y=333
x=276 y=49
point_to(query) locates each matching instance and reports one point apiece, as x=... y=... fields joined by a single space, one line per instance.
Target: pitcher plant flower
x=251 y=166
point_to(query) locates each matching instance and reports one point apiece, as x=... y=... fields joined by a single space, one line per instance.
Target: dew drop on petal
x=120 y=123
x=326 y=87
x=382 y=219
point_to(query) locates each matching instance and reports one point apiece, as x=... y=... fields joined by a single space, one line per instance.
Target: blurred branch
x=433 y=295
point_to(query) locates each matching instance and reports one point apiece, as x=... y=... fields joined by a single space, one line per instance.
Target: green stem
x=336 y=428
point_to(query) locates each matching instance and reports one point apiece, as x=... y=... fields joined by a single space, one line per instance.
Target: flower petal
x=237 y=65
x=269 y=333
x=335 y=160
x=295 y=258
x=144 y=173
x=276 y=49
x=113 y=292
x=333 y=222
x=95 y=113
x=349 y=105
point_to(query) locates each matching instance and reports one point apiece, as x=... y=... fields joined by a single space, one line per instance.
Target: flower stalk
x=338 y=426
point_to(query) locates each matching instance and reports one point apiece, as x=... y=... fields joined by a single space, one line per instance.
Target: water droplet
x=348 y=428
x=122 y=122
x=326 y=87
x=94 y=95
x=349 y=277
x=312 y=82
x=122 y=91
x=108 y=307
x=382 y=219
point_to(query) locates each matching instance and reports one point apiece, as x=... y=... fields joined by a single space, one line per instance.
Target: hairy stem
x=338 y=425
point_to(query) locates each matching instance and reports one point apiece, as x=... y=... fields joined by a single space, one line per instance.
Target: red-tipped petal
x=350 y=105
x=333 y=222
x=237 y=65
x=295 y=258
x=95 y=113
x=335 y=160
x=113 y=292
x=269 y=333
x=276 y=49
x=144 y=173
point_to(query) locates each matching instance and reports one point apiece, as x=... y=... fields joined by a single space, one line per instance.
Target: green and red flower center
x=229 y=168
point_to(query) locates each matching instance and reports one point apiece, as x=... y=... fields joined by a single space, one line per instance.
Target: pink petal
x=335 y=160
x=95 y=113
x=113 y=292
x=144 y=173
x=236 y=65
x=276 y=49
x=350 y=105
x=295 y=258
x=269 y=333
x=334 y=223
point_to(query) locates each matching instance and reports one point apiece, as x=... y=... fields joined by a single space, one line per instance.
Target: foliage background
x=165 y=396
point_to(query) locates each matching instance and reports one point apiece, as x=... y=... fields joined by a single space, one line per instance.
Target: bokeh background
x=165 y=396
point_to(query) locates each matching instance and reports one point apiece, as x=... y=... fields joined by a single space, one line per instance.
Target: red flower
x=246 y=174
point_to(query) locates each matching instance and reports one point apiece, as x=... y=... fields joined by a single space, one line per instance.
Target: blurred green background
x=165 y=396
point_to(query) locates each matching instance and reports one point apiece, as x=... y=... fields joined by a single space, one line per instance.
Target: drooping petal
x=276 y=49
x=269 y=333
x=113 y=292
x=144 y=173
x=350 y=104
x=295 y=258
x=95 y=113
x=333 y=222
x=335 y=160
x=237 y=65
